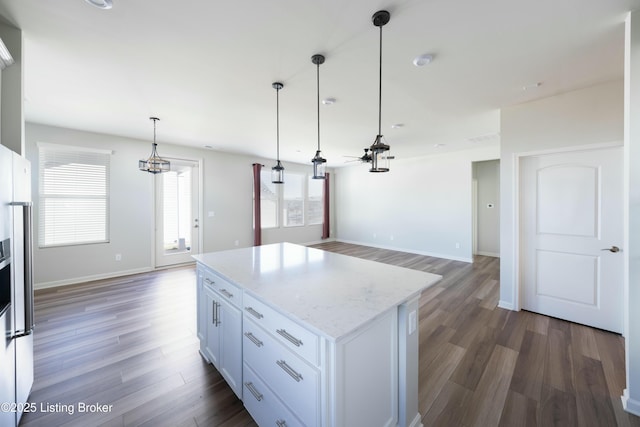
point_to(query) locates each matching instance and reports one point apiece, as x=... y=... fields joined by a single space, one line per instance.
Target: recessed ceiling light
x=397 y=125
x=101 y=4
x=208 y=147
x=422 y=60
x=439 y=145
x=329 y=101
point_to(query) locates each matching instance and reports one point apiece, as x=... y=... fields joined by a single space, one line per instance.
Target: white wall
x=423 y=205
x=588 y=116
x=487 y=177
x=12 y=88
x=227 y=190
x=631 y=249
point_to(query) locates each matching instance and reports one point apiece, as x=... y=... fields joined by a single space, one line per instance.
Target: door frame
x=200 y=178
x=517 y=278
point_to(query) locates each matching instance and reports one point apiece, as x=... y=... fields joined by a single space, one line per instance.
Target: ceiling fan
x=366 y=157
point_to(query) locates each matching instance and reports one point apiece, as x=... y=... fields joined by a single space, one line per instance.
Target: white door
x=571 y=236
x=177 y=213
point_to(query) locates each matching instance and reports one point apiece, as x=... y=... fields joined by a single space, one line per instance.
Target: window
x=315 y=205
x=268 y=200
x=74 y=195
x=293 y=200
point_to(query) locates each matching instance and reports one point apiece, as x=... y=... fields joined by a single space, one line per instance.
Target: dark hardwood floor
x=130 y=343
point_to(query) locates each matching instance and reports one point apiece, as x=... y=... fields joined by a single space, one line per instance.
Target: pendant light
x=154 y=164
x=319 y=164
x=380 y=152
x=277 y=172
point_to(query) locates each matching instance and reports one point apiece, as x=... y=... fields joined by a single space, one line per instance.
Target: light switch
x=212 y=214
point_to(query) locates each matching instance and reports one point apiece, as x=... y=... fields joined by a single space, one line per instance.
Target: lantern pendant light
x=277 y=172
x=380 y=152
x=154 y=164
x=319 y=164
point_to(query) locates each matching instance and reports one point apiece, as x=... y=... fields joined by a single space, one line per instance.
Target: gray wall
x=423 y=205
x=12 y=90
x=227 y=190
x=487 y=176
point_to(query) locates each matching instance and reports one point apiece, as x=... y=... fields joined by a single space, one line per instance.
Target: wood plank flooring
x=130 y=342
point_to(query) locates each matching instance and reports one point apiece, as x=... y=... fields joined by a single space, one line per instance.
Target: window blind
x=74 y=196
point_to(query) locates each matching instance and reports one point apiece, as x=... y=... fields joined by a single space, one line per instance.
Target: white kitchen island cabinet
x=325 y=339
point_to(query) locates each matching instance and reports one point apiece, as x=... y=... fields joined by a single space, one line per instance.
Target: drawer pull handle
x=281 y=423
x=293 y=340
x=209 y=281
x=253 y=339
x=289 y=370
x=226 y=293
x=253 y=391
x=254 y=313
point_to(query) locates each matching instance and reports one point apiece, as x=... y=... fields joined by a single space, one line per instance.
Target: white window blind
x=268 y=200
x=315 y=203
x=293 y=200
x=74 y=196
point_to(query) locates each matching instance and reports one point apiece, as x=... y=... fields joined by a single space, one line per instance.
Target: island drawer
x=265 y=408
x=295 y=337
x=291 y=378
x=226 y=289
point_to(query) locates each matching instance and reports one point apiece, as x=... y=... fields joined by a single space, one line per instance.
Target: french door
x=177 y=213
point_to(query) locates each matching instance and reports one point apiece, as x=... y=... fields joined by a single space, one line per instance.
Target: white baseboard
x=411 y=251
x=417 y=421
x=506 y=305
x=317 y=242
x=630 y=405
x=75 y=280
x=491 y=254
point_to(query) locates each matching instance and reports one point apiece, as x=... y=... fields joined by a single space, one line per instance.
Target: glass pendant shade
x=380 y=156
x=277 y=173
x=319 y=166
x=154 y=164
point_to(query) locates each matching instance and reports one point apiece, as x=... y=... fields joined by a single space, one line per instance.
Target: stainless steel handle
x=295 y=341
x=218 y=313
x=213 y=309
x=27 y=220
x=253 y=339
x=613 y=249
x=254 y=313
x=281 y=423
x=209 y=281
x=252 y=389
x=289 y=370
x=226 y=293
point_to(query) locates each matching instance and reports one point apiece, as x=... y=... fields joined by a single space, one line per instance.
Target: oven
x=5 y=276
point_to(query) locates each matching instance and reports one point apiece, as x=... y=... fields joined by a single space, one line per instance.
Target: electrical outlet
x=237 y=243
x=457 y=245
x=118 y=257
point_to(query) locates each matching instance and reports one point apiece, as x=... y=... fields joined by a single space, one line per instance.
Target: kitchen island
x=309 y=337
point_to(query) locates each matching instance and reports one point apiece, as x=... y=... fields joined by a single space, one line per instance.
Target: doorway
x=571 y=233
x=486 y=208
x=177 y=213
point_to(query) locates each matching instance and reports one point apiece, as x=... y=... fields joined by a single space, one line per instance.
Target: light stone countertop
x=334 y=294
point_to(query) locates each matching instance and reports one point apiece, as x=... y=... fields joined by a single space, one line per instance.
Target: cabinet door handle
x=254 y=313
x=281 y=423
x=226 y=293
x=289 y=370
x=293 y=340
x=213 y=315
x=209 y=281
x=218 y=314
x=253 y=339
x=252 y=389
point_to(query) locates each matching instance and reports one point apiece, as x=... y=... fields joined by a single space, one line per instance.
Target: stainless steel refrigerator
x=16 y=286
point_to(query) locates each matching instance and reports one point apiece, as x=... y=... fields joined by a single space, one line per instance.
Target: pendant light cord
x=380 y=88
x=278 y=124
x=318 y=90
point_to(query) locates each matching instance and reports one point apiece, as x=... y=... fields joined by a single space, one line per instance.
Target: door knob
x=613 y=249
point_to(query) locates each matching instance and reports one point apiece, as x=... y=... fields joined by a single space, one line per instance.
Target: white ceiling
x=206 y=67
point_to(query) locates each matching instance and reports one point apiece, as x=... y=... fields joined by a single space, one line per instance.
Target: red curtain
x=257 y=225
x=326 y=226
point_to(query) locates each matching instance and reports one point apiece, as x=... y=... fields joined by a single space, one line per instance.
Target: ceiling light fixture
x=5 y=57
x=277 y=172
x=154 y=164
x=319 y=164
x=101 y=4
x=380 y=151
